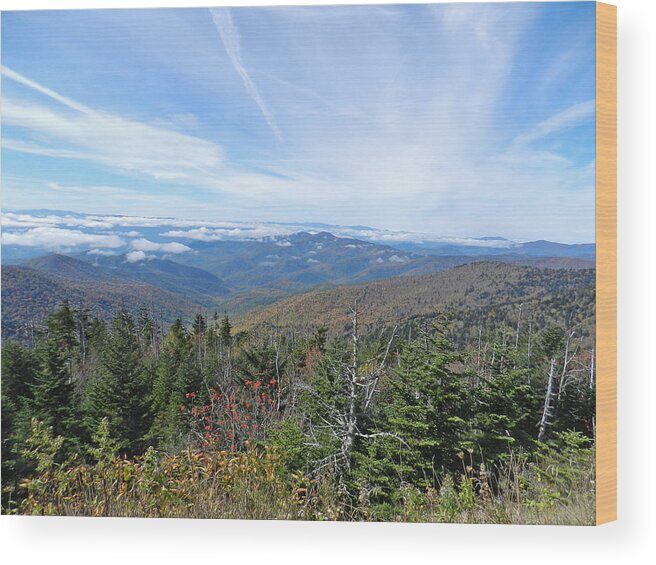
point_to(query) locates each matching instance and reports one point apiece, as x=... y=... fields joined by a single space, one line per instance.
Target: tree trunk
x=352 y=409
x=546 y=411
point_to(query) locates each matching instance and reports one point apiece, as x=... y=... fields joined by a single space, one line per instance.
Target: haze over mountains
x=177 y=267
x=30 y=233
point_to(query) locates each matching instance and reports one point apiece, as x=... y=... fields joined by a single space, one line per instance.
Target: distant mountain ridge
x=165 y=273
x=505 y=248
x=196 y=232
x=238 y=276
x=162 y=273
x=302 y=260
x=29 y=296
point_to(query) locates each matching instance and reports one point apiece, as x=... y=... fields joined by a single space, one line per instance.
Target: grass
x=555 y=487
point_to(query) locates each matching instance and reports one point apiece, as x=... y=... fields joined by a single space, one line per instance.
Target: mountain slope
x=70 y=268
x=162 y=273
x=472 y=290
x=167 y=274
x=29 y=296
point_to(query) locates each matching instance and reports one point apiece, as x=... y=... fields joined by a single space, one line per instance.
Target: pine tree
x=506 y=405
x=53 y=400
x=424 y=420
x=225 y=332
x=62 y=330
x=177 y=373
x=19 y=367
x=118 y=392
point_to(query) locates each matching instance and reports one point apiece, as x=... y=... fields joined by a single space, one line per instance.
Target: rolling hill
x=164 y=273
x=474 y=292
x=192 y=282
x=28 y=296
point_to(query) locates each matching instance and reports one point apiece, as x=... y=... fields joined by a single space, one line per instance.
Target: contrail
x=232 y=43
x=13 y=75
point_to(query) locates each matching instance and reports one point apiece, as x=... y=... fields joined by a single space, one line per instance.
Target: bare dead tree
x=546 y=411
x=592 y=368
x=352 y=383
x=528 y=349
x=361 y=379
x=519 y=321
x=567 y=359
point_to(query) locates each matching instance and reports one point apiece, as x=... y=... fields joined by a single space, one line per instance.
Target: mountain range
x=296 y=271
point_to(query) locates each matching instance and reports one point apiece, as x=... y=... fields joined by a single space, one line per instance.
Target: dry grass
x=556 y=487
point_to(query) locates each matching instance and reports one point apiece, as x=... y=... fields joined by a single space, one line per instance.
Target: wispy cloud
x=397 y=117
x=569 y=117
x=6 y=71
x=232 y=43
x=105 y=138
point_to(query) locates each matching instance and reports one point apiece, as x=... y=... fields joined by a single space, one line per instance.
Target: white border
x=632 y=538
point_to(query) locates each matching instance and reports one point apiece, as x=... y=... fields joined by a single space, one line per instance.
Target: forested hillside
x=28 y=296
x=481 y=296
x=130 y=417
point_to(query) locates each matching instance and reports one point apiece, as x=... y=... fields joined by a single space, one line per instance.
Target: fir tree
x=19 y=367
x=423 y=422
x=118 y=392
x=177 y=373
x=225 y=332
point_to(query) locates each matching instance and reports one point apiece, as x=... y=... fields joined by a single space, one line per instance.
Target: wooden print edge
x=606 y=274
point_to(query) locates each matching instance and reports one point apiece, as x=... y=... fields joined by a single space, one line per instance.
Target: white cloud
x=136 y=256
x=234 y=231
x=199 y=234
x=147 y=245
x=11 y=219
x=102 y=252
x=313 y=261
x=58 y=238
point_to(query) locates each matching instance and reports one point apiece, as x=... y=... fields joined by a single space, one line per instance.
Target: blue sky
x=451 y=119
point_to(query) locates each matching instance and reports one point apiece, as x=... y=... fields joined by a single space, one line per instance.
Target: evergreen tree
x=62 y=330
x=53 y=400
x=118 y=392
x=19 y=367
x=506 y=405
x=260 y=363
x=225 y=332
x=177 y=372
x=424 y=420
